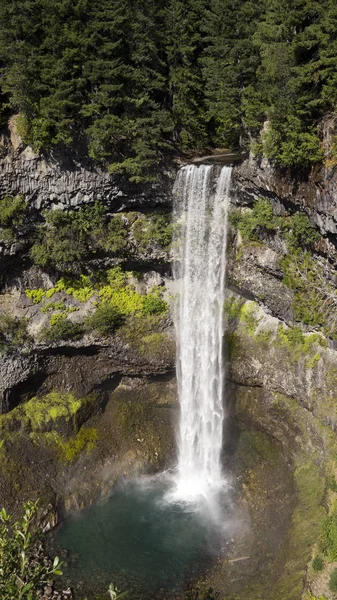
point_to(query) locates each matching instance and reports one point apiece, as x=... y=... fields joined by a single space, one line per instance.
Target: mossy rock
x=56 y=411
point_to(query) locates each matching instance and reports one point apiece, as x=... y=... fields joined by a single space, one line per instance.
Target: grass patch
x=328 y=541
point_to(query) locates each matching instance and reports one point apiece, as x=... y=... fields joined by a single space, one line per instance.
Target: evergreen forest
x=136 y=82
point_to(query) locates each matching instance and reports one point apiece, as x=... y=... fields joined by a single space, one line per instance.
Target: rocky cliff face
x=315 y=193
x=66 y=179
x=282 y=366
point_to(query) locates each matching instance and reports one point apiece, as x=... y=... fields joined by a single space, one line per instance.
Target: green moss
x=232 y=307
x=248 y=317
x=68 y=449
x=244 y=312
x=333 y=581
x=232 y=344
x=132 y=416
x=332 y=483
x=52 y=306
x=264 y=336
x=304 y=528
x=308 y=596
x=36 y=296
x=315 y=359
x=298 y=344
x=41 y=412
x=155 y=345
x=255 y=447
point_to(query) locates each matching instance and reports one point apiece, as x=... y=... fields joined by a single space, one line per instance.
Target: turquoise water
x=138 y=541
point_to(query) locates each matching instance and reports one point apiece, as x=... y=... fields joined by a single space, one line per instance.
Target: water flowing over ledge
x=200 y=215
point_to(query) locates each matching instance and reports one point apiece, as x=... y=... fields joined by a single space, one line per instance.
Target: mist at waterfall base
x=159 y=533
x=140 y=541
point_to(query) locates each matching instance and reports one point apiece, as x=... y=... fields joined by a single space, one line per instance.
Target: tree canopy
x=137 y=81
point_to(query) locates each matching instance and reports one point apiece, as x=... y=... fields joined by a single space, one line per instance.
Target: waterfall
x=200 y=215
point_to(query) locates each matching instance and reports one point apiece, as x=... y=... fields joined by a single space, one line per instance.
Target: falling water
x=199 y=271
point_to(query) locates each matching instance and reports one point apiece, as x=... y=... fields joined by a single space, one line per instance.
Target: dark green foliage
x=184 y=43
x=333 y=581
x=105 y=319
x=297 y=228
x=11 y=211
x=229 y=63
x=302 y=233
x=13 y=332
x=260 y=218
x=154 y=229
x=115 y=238
x=22 y=574
x=137 y=80
x=332 y=483
x=313 y=300
x=153 y=304
x=63 y=330
x=69 y=237
x=317 y=564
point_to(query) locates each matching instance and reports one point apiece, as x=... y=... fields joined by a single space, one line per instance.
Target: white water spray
x=200 y=215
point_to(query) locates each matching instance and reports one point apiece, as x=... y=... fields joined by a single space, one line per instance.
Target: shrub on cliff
x=155 y=229
x=67 y=238
x=13 y=332
x=24 y=570
x=302 y=233
x=62 y=329
x=105 y=319
x=11 y=211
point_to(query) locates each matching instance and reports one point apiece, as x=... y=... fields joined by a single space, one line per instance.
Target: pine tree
x=106 y=70
x=229 y=65
x=184 y=46
x=147 y=121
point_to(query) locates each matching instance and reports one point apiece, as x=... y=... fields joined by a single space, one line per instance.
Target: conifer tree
x=229 y=65
x=184 y=46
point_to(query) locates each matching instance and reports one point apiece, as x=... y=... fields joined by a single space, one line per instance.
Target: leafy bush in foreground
x=23 y=570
